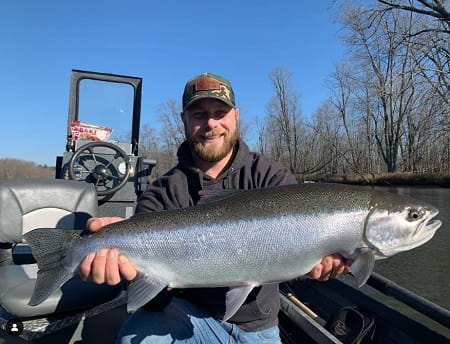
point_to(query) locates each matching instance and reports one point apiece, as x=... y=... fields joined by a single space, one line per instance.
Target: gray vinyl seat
x=26 y=204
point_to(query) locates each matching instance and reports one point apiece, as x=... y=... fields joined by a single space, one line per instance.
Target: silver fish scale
x=245 y=231
x=258 y=203
x=246 y=238
x=253 y=250
x=260 y=236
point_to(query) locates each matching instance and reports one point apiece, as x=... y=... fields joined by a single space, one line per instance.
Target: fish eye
x=414 y=214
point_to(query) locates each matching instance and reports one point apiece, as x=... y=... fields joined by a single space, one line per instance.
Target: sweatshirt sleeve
x=168 y=192
x=268 y=173
x=282 y=177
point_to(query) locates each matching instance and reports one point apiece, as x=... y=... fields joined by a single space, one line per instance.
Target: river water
x=424 y=270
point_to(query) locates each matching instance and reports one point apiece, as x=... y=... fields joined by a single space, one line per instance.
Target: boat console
x=100 y=173
x=102 y=140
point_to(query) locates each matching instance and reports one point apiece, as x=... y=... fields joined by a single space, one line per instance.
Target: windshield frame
x=74 y=100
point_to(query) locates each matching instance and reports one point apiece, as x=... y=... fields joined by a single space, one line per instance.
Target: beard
x=214 y=152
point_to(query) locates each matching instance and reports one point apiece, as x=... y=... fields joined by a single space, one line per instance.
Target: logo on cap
x=207 y=84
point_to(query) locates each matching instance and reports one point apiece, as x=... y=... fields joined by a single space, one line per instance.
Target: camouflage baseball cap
x=208 y=85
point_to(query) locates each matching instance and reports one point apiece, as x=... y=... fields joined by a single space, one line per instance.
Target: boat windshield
x=107 y=104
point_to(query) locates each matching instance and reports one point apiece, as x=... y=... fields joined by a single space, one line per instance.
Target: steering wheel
x=97 y=169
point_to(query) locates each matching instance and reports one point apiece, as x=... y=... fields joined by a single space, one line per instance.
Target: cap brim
x=192 y=101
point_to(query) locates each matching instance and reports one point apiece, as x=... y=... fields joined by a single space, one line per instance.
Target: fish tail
x=48 y=247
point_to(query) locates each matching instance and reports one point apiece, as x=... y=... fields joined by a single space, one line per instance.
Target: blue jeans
x=183 y=322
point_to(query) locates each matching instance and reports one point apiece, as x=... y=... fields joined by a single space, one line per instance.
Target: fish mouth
x=432 y=224
x=428 y=227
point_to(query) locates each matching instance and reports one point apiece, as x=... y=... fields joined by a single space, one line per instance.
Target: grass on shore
x=396 y=178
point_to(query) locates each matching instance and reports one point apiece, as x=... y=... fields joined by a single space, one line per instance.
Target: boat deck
x=96 y=325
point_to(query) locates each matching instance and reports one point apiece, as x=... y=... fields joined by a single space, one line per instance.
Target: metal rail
x=311 y=327
x=424 y=306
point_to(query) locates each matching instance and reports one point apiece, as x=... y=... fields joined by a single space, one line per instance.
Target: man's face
x=211 y=128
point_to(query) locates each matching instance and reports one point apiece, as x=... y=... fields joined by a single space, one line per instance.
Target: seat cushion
x=26 y=204
x=17 y=285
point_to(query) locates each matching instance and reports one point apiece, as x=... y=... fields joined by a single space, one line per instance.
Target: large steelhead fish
x=243 y=239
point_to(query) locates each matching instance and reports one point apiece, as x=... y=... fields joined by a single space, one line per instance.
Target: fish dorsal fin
x=208 y=196
x=363 y=265
x=235 y=297
x=141 y=290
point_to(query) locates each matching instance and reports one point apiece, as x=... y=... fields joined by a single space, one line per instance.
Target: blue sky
x=166 y=43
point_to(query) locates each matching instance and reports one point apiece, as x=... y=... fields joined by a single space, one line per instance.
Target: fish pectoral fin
x=234 y=299
x=141 y=290
x=363 y=265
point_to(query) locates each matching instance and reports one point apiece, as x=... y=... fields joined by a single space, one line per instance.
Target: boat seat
x=26 y=204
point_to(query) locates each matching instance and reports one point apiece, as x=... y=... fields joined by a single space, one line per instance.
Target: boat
x=320 y=315
x=95 y=177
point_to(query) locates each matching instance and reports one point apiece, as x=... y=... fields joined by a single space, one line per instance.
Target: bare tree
x=342 y=89
x=327 y=148
x=283 y=119
x=386 y=67
x=430 y=38
x=172 y=126
x=437 y=9
x=261 y=133
x=393 y=100
x=389 y=103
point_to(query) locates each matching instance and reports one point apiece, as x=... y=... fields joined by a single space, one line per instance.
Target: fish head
x=397 y=223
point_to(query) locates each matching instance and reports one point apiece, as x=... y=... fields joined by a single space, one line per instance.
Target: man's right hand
x=107 y=265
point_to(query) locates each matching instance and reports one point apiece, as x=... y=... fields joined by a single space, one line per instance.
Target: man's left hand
x=331 y=266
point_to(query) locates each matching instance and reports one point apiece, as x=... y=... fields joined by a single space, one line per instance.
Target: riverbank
x=383 y=179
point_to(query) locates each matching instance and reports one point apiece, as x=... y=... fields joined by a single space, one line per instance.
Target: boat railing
x=309 y=305
x=419 y=303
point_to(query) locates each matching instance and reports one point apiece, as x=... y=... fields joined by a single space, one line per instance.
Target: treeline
x=13 y=168
x=388 y=109
x=389 y=99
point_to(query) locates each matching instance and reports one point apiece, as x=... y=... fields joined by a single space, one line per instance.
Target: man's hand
x=331 y=266
x=107 y=265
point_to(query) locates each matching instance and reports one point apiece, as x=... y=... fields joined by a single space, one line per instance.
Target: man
x=212 y=158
